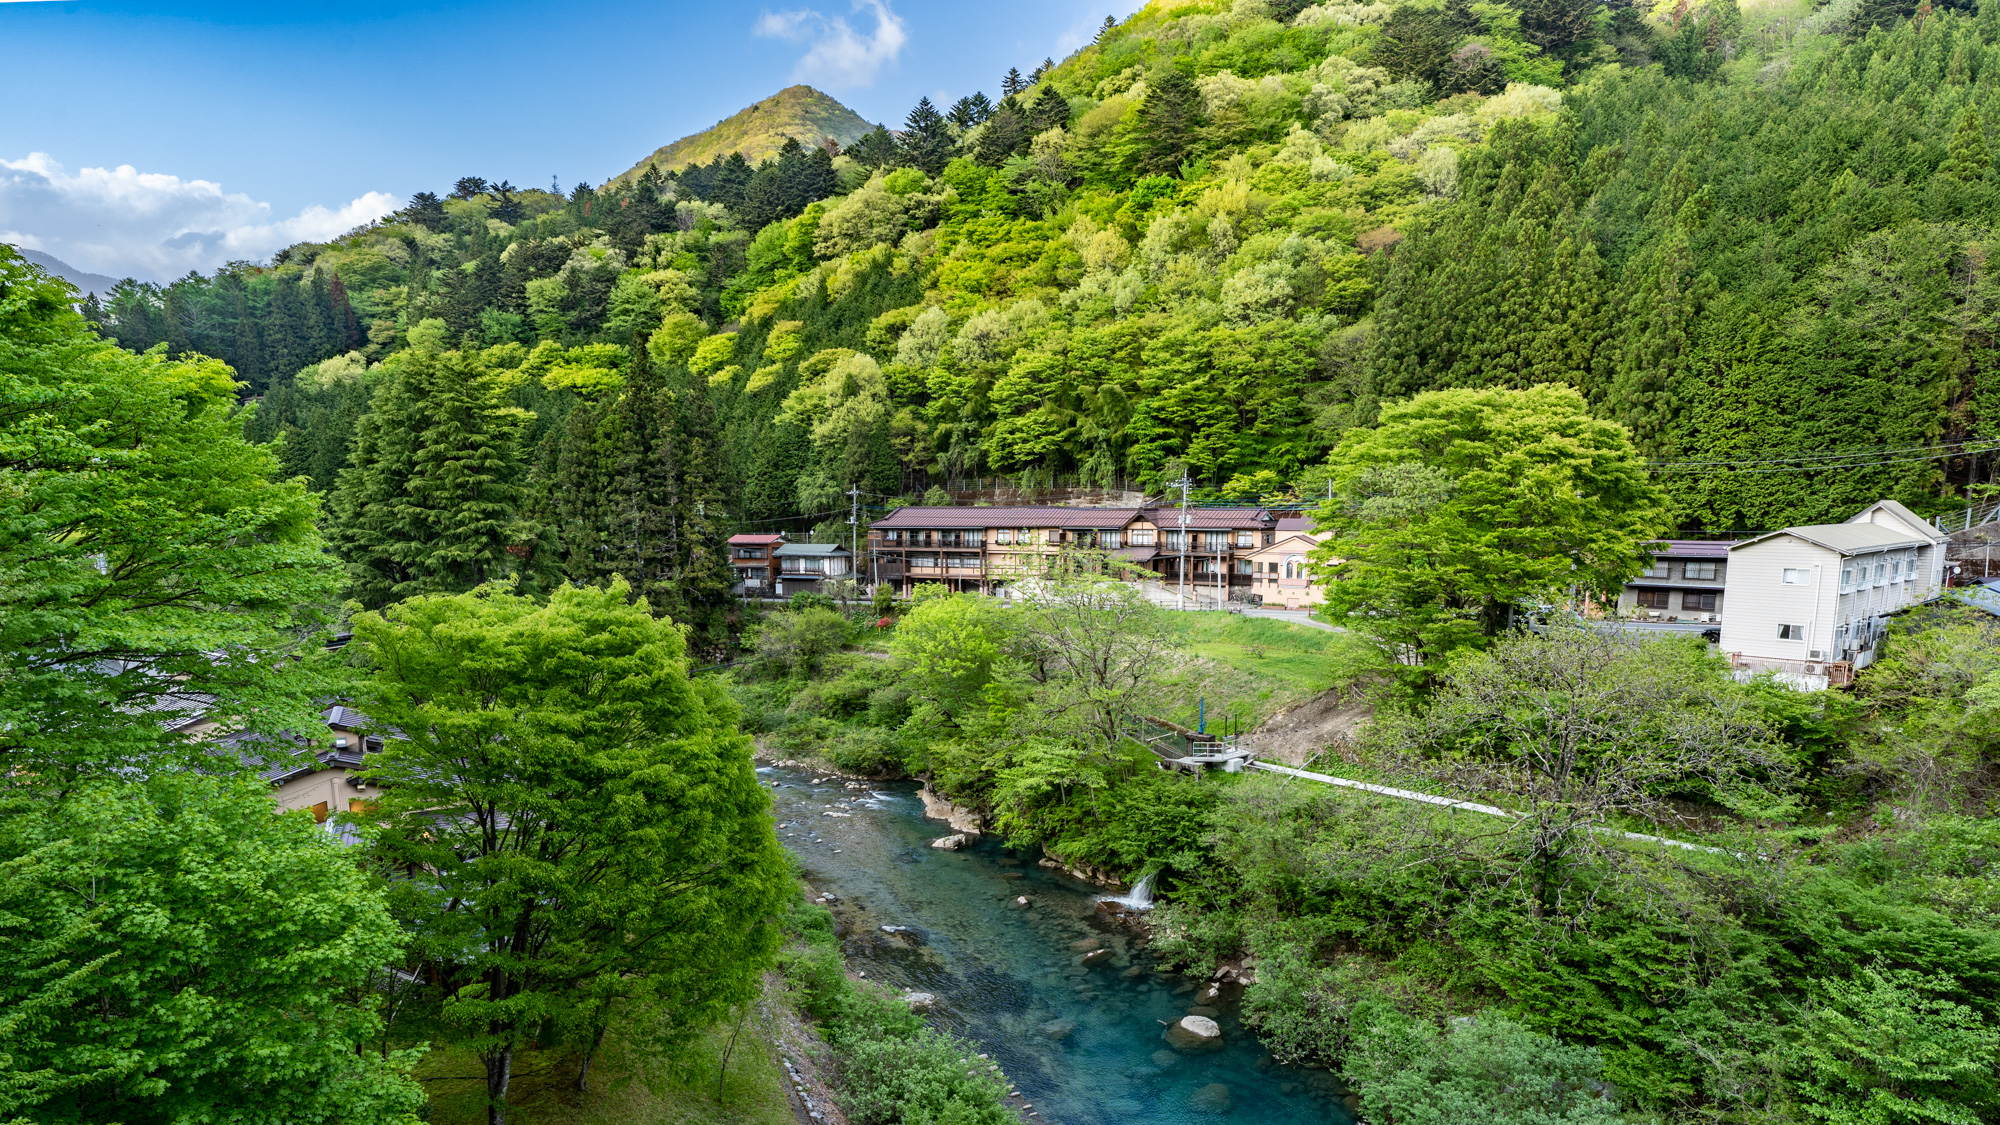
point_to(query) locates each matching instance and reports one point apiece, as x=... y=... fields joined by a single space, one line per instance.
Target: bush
x=919 y=1079
x=869 y=751
x=1486 y=1068
x=797 y=643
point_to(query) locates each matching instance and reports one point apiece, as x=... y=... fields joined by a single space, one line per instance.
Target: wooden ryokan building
x=976 y=548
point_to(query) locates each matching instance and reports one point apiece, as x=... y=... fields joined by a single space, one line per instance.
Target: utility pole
x=854 y=523
x=1185 y=485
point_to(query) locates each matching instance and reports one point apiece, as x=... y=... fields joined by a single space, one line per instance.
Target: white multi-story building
x=1809 y=602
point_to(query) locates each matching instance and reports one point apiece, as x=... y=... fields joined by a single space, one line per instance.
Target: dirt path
x=1292 y=737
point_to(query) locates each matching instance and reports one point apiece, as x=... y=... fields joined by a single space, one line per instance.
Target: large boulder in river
x=920 y=1001
x=1194 y=1033
x=951 y=843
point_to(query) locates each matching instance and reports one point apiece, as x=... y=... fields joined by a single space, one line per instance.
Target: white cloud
x=839 y=57
x=124 y=222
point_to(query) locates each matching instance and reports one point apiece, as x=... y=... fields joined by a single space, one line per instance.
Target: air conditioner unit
x=1816 y=654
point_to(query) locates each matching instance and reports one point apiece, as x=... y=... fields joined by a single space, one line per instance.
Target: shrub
x=1485 y=1068
x=797 y=643
x=923 y=1078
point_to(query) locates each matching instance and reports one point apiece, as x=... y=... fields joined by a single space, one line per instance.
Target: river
x=1082 y=1043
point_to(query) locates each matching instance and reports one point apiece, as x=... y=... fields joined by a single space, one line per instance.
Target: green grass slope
x=760 y=130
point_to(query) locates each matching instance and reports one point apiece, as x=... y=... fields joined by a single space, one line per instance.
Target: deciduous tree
x=582 y=820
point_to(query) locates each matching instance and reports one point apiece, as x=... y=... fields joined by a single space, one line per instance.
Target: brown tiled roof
x=1295 y=523
x=956 y=517
x=1209 y=519
x=751 y=540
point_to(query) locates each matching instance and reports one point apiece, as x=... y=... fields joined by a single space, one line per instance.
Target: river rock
x=951 y=843
x=1209 y=994
x=1133 y=973
x=1096 y=956
x=1164 y=1057
x=1194 y=1033
x=961 y=820
x=1058 y=1029
x=1213 y=1097
x=1020 y=902
x=1085 y=945
x=920 y=1001
x=1202 y=1010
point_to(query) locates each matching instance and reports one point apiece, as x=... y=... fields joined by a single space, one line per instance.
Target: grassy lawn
x=625 y=1089
x=1249 y=668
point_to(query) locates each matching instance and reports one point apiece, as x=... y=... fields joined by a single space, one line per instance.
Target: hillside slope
x=759 y=130
x=85 y=281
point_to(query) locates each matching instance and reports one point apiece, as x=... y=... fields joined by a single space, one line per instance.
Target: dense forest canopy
x=1211 y=242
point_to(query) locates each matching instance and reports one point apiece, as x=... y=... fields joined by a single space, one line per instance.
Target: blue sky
x=150 y=138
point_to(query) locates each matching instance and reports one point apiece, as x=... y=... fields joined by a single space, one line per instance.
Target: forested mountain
x=1211 y=241
x=758 y=131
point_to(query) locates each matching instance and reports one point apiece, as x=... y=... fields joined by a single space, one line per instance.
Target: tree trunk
x=499 y=1071
x=596 y=1041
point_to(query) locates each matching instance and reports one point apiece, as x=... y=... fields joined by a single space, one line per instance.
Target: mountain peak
x=759 y=130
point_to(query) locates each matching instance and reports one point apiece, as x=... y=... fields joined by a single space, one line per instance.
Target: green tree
x=170 y=951
x=584 y=819
x=431 y=496
x=1169 y=120
x=1968 y=160
x=152 y=564
x=1463 y=506
x=951 y=648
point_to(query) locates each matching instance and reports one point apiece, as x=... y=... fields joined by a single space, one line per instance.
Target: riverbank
x=1072 y=1006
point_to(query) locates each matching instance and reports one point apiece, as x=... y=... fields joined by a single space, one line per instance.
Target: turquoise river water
x=1083 y=1043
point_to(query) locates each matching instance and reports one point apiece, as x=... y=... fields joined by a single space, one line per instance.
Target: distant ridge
x=760 y=130
x=85 y=282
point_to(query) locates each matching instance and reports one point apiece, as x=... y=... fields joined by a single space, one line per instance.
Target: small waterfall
x=1140 y=897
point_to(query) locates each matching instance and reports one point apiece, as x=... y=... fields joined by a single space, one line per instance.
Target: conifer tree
x=1006 y=133
x=1104 y=31
x=321 y=333
x=970 y=111
x=1012 y=83
x=1968 y=160
x=285 y=344
x=926 y=141
x=1167 y=123
x=347 y=335
x=429 y=501
x=875 y=149
x=1049 y=110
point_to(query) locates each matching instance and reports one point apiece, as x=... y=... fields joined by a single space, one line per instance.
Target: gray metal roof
x=1895 y=508
x=794 y=550
x=1845 y=538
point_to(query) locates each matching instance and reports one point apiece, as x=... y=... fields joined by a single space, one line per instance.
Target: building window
x=1244 y=566
x=1295 y=567
x=1703 y=603
x=1846 y=577
x=1659 y=569
x=1651 y=599
x=1171 y=540
x=1246 y=539
x=1142 y=536
x=1110 y=539
x=1701 y=571
x=1796 y=576
x=1880 y=569
x=1791 y=632
x=1003 y=536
